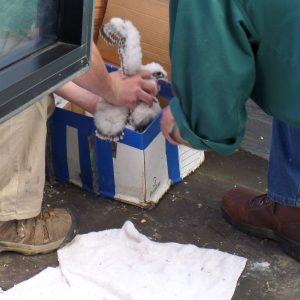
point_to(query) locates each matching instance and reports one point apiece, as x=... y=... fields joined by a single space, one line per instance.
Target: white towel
x=50 y=284
x=122 y=264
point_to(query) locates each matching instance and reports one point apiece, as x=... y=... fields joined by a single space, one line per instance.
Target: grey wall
x=258 y=133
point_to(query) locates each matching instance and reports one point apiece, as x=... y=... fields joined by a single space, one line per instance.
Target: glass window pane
x=26 y=26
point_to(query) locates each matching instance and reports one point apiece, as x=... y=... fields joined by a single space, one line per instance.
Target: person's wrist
x=176 y=136
x=112 y=94
x=95 y=104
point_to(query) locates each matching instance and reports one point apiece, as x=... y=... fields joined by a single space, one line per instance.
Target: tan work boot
x=42 y=234
x=260 y=216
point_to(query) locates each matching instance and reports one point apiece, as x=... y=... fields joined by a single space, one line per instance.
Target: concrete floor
x=188 y=213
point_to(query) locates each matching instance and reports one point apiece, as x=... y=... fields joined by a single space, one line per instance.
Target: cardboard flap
x=99 y=11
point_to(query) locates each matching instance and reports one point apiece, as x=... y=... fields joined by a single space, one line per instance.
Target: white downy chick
x=132 y=52
x=110 y=120
x=143 y=114
x=125 y=35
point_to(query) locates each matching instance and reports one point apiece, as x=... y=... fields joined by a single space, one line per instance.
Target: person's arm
x=213 y=72
x=79 y=96
x=112 y=86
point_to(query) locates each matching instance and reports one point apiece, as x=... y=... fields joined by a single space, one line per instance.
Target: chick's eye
x=158 y=74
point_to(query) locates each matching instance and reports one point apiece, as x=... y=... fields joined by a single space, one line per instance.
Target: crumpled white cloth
x=122 y=264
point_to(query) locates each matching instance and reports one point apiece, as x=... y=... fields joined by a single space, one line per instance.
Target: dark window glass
x=26 y=26
x=43 y=43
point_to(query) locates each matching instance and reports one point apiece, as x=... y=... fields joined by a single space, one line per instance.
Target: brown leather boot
x=258 y=215
x=45 y=233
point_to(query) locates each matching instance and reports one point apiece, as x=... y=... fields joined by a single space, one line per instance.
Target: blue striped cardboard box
x=138 y=169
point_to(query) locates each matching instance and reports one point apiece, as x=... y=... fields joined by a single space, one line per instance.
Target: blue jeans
x=284 y=164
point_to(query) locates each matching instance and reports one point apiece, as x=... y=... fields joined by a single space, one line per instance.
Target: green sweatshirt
x=225 y=51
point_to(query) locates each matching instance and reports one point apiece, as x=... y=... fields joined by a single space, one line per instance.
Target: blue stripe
x=85 y=126
x=111 y=68
x=70 y=118
x=105 y=168
x=59 y=146
x=132 y=138
x=152 y=131
x=165 y=90
x=173 y=162
x=141 y=140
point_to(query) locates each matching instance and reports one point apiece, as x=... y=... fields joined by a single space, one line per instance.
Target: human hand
x=127 y=91
x=170 y=129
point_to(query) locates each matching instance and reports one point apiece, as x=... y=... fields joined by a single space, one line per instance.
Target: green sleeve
x=212 y=72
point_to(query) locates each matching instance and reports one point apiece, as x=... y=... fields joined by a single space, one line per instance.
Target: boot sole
x=47 y=248
x=289 y=247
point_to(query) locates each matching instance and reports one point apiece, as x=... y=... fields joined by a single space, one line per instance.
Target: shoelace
x=20 y=226
x=21 y=232
x=262 y=201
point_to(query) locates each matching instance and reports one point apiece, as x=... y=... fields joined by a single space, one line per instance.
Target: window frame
x=27 y=80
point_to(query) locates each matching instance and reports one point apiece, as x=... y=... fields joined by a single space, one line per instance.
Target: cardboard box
x=138 y=170
x=151 y=17
x=99 y=12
